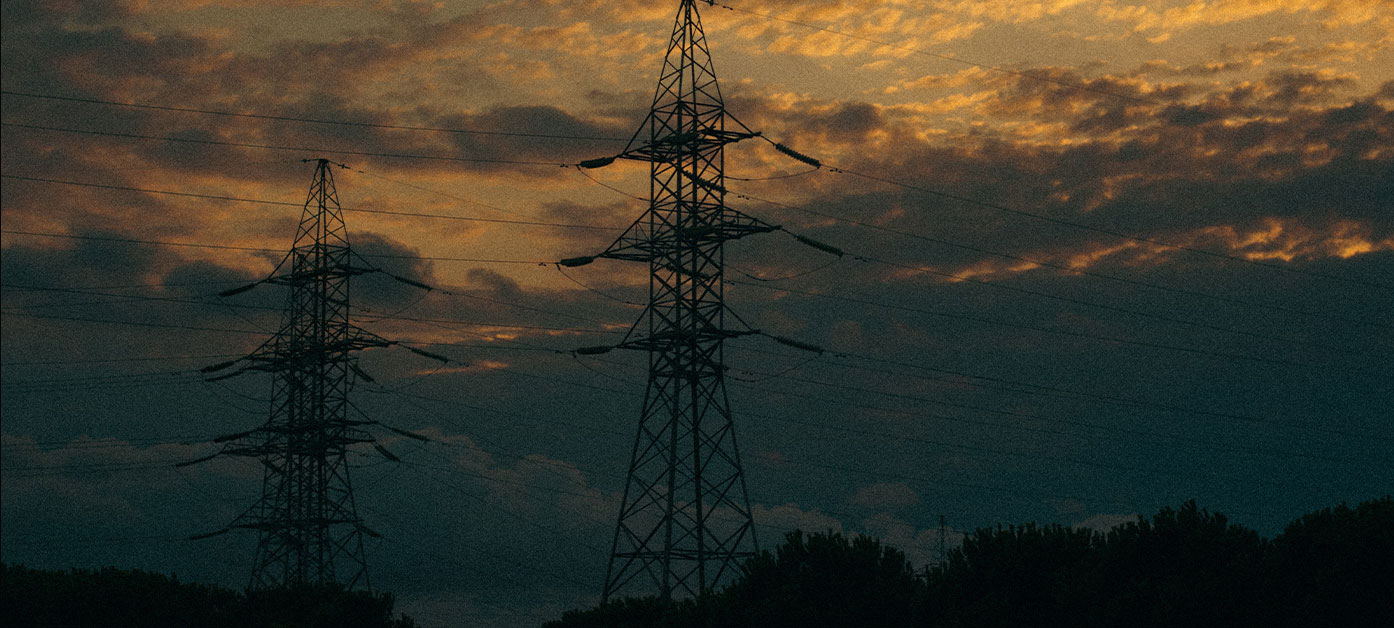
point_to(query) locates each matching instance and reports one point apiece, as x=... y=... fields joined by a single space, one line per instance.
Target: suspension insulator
x=572 y=262
x=599 y=162
x=798 y=155
x=412 y=282
x=385 y=453
x=693 y=233
x=707 y=184
x=213 y=368
x=828 y=248
x=798 y=345
x=426 y=354
x=239 y=289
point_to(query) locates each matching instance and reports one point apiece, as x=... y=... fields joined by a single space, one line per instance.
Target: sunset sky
x=1100 y=258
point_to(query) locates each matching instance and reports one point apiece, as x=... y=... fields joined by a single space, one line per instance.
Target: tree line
x=122 y=598
x=1183 y=566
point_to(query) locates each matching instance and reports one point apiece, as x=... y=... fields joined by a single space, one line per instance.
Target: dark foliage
x=1335 y=567
x=1182 y=567
x=118 y=598
x=645 y=612
x=822 y=579
x=1001 y=576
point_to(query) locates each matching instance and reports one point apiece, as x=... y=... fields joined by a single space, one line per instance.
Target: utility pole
x=308 y=526
x=685 y=521
x=943 y=540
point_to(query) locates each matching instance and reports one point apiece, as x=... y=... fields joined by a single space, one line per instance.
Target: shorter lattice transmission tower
x=308 y=525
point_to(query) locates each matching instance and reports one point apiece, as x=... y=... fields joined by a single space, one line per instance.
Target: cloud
x=104 y=503
x=888 y=495
x=788 y=517
x=397 y=260
x=921 y=546
x=1181 y=17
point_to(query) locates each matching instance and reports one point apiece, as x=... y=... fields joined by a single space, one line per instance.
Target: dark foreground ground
x=1181 y=567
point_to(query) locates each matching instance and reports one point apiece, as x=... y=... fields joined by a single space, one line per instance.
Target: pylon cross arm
x=669 y=147
x=637 y=244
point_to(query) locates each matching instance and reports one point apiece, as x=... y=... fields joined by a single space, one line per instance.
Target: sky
x=1098 y=258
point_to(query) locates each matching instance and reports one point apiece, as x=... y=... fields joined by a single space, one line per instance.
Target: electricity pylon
x=685 y=520
x=309 y=529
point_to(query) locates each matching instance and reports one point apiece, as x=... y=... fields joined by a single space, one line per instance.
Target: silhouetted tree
x=110 y=597
x=823 y=580
x=1018 y=576
x=632 y=612
x=1184 y=567
x=327 y=606
x=1335 y=567
x=117 y=598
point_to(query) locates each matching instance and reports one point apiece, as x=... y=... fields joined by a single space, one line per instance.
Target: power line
x=299 y=149
x=826 y=466
x=377 y=318
x=1003 y=323
x=146 y=324
x=499 y=508
x=908 y=186
x=138 y=241
x=263 y=249
x=436 y=192
x=112 y=442
x=97 y=378
x=591 y=471
x=1105 y=306
x=903 y=437
x=961 y=373
x=1027 y=388
x=113 y=385
x=1077 y=395
x=1106 y=231
x=1024 y=415
x=177 y=284
x=831 y=168
x=591 y=516
x=400 y=127
x=805 y=462
x=1036 y=262
x=135 y=323
x=1011 y=385
x=258 y=201
x=1126 y=435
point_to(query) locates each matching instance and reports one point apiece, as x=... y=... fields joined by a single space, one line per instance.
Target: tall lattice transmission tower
x=685 y=520
x=309 y=529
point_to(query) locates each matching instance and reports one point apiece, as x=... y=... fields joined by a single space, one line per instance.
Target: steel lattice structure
x=685 y=520
x=309 y=529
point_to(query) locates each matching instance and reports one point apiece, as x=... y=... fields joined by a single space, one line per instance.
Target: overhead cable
x=262 y=249
x=217 y=197
x=399 y=127
x=300 y=149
